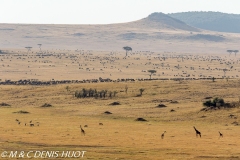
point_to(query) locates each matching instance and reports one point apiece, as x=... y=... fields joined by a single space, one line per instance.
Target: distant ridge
x=163 y=21
x=214 y=21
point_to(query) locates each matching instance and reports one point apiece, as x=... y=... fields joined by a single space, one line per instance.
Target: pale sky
x=102 y=11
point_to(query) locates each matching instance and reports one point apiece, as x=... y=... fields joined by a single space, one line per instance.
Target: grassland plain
x=120 y=136
x=55 y=64
x=172 y=49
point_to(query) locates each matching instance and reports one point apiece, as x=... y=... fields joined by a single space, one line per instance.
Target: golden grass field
x=120 y=136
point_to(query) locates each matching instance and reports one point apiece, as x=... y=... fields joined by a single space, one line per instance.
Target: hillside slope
x=160 y=20
x=214 y=21
x=157 y=32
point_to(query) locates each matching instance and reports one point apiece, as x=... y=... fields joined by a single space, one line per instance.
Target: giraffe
x=220 y=134
x=82 y=131
x=162 y=136
x=197 y=132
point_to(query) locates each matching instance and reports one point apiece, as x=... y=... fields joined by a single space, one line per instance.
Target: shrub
x=107 y=112
x=214 y=102
x=93 y=93
x=161 y=106
x=141 y=119
x=207 y=103
x=114 y=103
x=4 y=104
x=218 y=100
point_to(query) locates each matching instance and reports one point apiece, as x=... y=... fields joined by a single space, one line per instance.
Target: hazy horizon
x=102 y=12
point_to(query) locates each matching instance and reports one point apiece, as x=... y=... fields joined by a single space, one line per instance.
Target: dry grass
x=120 y=136
x=155 y=47
x=79 y=65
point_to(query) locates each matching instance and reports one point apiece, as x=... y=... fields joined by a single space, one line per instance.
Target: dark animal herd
x=54 y=82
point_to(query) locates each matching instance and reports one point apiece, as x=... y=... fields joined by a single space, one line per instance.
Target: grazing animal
x=162 y=136
x=100 y=123
x=31 y=125
x=30 y=121
x=25 y=124
x=82 y=131
x=19 y=123
x=85 y=125
x=220 y=134
x=17 y=120
x=197 y=132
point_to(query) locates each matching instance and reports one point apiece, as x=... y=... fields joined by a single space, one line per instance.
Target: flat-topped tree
x=230 y=51
x=126 y=48
x=28 y=49
x=151 y=72
x=235 y=52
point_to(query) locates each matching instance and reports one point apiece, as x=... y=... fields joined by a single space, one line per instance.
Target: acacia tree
x=235 y=52
x=151 y=72
x=126 y=48
x=229 y=51
x=28 y=48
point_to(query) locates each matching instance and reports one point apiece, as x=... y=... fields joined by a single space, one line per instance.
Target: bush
x=93 y=93
x=107 y=112
x=207 y=103
x=218 y=100
x=114 y=103
x=4 y=104
x=214 y=102
x=161 y=106
x=141 y=119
